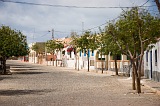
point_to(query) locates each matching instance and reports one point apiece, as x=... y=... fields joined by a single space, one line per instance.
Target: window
x=91 y=62
x=146 y=58
x=119 y=57
x=84 y=52
x=156 y=57
x=92 y=53
x=80 y=53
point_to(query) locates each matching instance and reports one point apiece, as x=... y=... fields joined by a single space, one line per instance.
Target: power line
x=66 y=6
x=101 y=24
x=145 y=3
x=45 y=34
x=61 y=31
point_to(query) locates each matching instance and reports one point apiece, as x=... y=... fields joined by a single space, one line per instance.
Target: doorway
x=151 y=63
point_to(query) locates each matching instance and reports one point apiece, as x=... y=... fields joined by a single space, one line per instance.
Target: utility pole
x=52 y=34
x=82 y=28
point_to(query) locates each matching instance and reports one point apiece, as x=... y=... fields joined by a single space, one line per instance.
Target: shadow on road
x=8 y=77
x=24 y=92
x=23 y=69
x=29 y=72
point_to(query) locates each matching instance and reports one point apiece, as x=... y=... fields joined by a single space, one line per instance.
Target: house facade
x=152 y=62
x=67 y=57
x=32 y=54
x=97 y=62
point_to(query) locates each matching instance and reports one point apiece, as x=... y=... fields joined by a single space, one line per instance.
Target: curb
x=153 y=89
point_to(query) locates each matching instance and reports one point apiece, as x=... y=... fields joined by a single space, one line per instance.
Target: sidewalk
x=150 y=84
x=153 y=85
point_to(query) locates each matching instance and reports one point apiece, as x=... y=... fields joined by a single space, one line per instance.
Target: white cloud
x=39 y=19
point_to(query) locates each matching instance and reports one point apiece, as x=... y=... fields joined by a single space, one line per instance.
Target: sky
x=37 y=22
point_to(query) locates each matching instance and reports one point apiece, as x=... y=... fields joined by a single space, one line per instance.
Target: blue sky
x=36 y=21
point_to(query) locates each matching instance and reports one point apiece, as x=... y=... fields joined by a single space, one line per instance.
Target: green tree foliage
x=74 y=43
x=52 y=46
x=109 y=46
x=39 y=47
x=59 y=45
x=133 y=32
x=87 y=42
x=74 y=40
x=12 y=43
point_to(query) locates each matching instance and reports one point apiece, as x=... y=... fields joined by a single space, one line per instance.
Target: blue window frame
x=88 y=53
x=92 y=52
x=156 y=57
x=84 y=52
x=146 y=56
x=80 y=53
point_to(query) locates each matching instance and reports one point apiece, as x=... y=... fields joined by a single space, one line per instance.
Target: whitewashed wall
x=155 y=73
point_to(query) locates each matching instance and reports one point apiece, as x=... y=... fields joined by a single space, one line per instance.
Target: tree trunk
x=53 y=60
x=34 y=58
x=138 y=85
x=78 y=63
x=88 y=61
x=115 y=60
x=138 y=74
x=133 y=78
x=101 y=62
x=137 y=79
x=158 y=4
x=4 y=65
x=56 y=62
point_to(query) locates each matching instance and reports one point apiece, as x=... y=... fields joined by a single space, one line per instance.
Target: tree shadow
x=23 y=69
x=20 y=66
x=7 y=77
x=25 y=92
x=29 y=72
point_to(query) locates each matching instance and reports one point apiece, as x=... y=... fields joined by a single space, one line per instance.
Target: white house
x=96 y=62
x=68 y=58
x=152 y=62
x=32 y=54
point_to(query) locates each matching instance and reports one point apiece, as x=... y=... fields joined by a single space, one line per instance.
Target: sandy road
x=39 y=85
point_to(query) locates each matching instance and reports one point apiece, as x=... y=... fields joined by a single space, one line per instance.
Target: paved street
x=39 y=85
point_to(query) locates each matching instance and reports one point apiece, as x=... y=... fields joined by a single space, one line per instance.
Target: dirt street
x=40 y=85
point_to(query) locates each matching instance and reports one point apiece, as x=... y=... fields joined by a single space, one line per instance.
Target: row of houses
x=68 y=58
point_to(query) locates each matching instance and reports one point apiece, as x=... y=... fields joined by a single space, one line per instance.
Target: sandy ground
x=39 y=85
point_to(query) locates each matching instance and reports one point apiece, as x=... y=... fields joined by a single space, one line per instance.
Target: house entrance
x=151 y=63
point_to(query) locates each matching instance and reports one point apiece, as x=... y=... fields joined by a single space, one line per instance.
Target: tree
x=74 y=43
x=158 y=4
x=53 y=45
x=109 y=46
x=39 y=47
x=12 y=43
x=133 y=32
x=59 y=46
x=87 y=42
x=100 y=45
